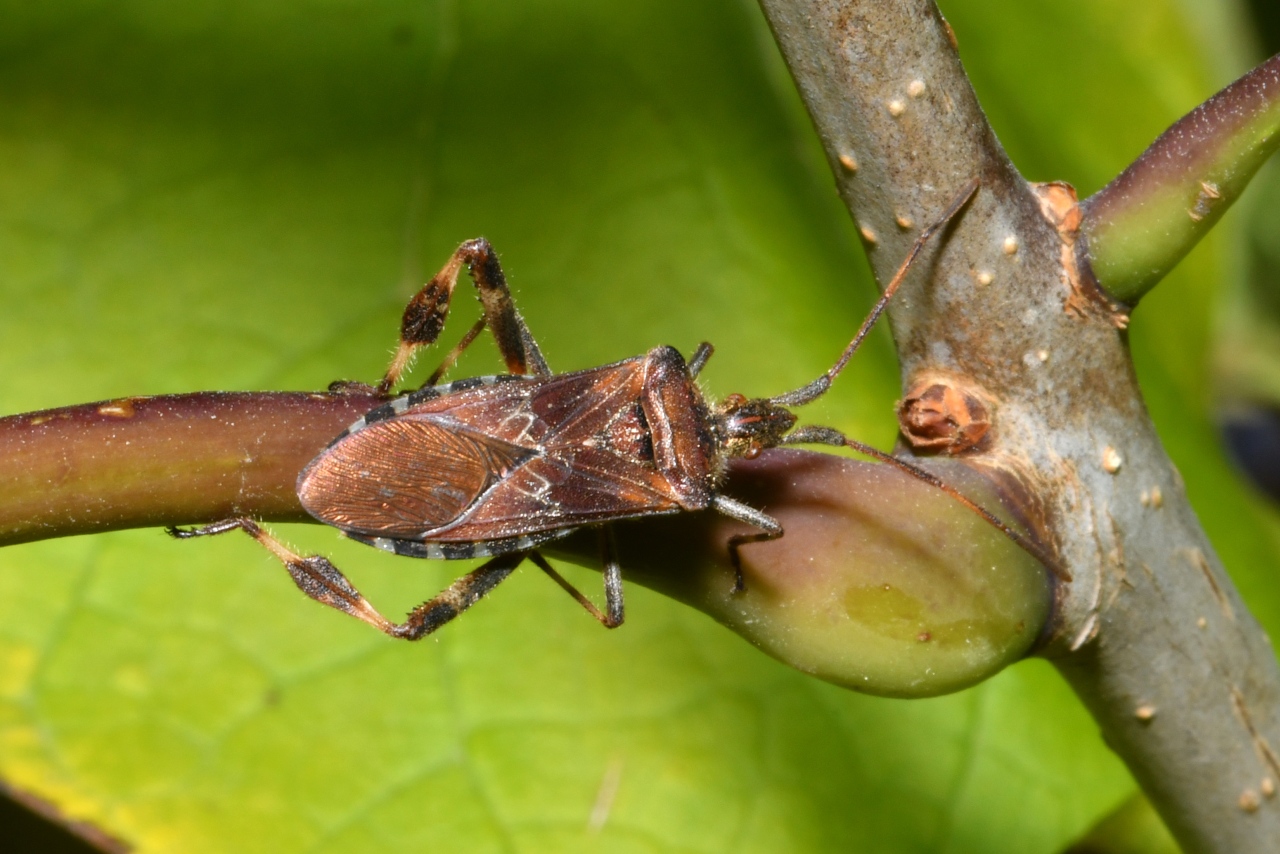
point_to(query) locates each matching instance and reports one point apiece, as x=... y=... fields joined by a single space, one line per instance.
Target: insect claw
x=247 y=525
x=353 y=387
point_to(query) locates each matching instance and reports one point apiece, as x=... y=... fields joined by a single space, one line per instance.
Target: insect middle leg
x=425 y=315
x=613 y=614
x=317 y=577
x=770 y=529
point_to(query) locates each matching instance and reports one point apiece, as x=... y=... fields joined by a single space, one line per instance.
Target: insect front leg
x=425 y=315
x=770 y=529
x=325 y=583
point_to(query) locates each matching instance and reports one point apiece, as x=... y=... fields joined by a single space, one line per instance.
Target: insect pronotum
x=497 y=466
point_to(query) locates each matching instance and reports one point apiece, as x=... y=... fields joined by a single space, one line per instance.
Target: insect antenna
x=815 y=435
x=828 y=436
x=812 y=391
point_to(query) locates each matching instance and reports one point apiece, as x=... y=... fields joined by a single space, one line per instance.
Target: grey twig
x=1150 y=633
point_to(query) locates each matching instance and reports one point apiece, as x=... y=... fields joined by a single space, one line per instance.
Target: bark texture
x=1150 y=632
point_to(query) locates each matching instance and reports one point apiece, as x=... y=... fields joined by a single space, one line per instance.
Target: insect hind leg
x=771 y=529
x=317 y=577
x=425 y=315
x=314 y=575
x=458 y=597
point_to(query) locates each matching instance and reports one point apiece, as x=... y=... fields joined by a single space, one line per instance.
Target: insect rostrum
x=497 y=466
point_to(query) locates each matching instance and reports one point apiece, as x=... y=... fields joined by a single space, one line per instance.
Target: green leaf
x=239 y=195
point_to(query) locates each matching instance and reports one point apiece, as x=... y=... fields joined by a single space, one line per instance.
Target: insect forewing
x=404 y=476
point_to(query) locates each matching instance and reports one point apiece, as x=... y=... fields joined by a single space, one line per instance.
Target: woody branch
x=1151 y=632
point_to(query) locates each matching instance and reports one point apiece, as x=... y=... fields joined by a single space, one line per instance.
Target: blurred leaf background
x=222 y=194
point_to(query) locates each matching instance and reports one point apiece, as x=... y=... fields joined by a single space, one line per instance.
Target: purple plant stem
x=141 y=461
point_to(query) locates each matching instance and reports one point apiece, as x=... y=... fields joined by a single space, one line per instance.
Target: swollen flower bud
x=882 y=583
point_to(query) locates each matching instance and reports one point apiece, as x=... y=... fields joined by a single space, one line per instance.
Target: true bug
x=497 y=466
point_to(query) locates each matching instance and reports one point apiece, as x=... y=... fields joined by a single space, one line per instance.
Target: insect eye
x=752 y=451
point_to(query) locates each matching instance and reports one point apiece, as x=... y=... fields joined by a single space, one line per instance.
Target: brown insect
x=497 y=466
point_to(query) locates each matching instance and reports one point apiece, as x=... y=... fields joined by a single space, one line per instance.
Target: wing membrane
x=404 y=476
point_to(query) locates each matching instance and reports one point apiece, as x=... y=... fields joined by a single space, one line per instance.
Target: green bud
x=882 y=583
